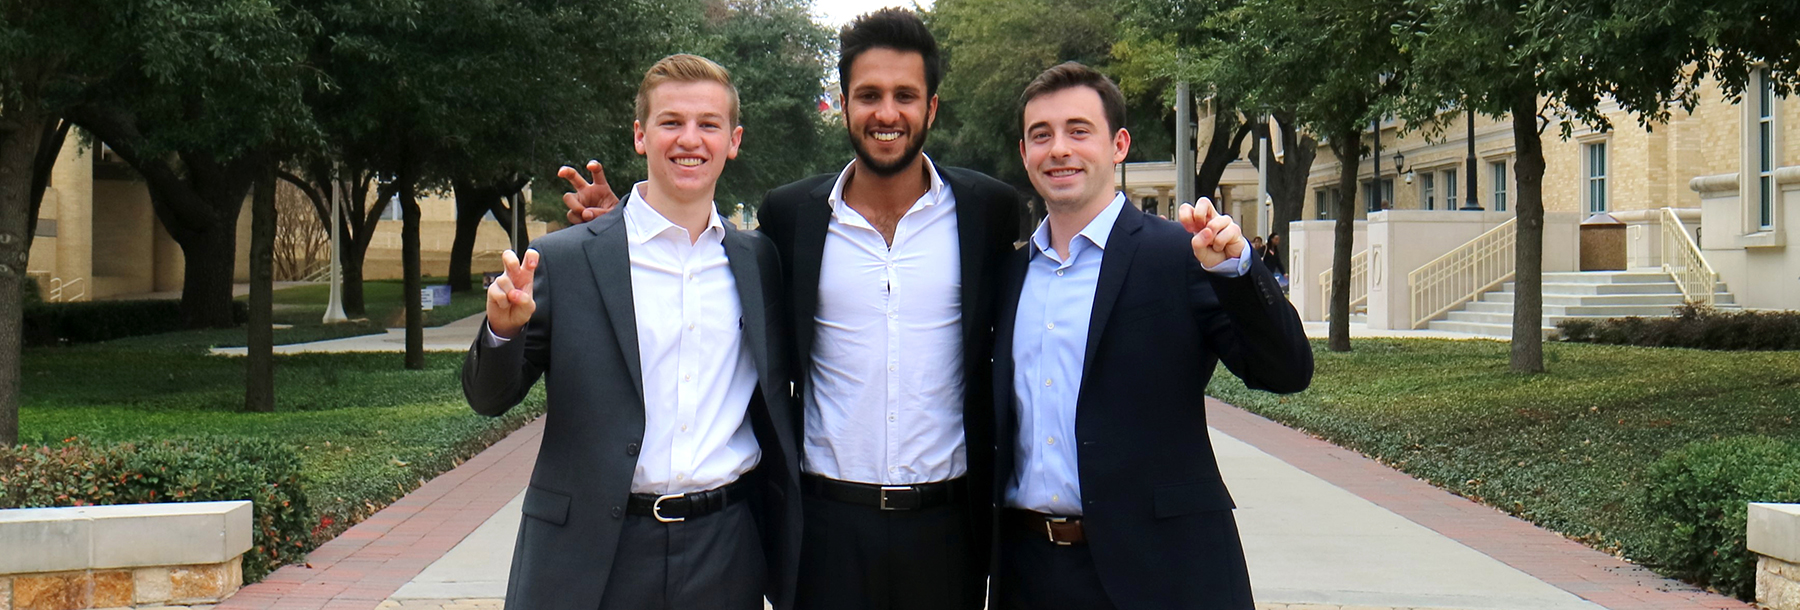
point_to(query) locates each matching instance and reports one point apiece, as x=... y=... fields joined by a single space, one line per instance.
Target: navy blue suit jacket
x=1156 y=514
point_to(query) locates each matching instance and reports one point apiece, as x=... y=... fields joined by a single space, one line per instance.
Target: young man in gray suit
x=667 y=476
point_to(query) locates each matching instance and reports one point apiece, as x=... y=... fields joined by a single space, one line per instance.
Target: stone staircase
x=1591 y=294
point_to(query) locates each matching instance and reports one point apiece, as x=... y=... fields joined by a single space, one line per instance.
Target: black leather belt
x=675 y=508
x=917 y=496
x=1063 y=531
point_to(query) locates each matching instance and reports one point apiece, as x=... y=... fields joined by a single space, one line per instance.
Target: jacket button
x=631 y=449
x=618 y=512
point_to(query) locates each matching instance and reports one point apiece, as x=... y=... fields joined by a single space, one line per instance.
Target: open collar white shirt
x=885 y=393
x=698 y=373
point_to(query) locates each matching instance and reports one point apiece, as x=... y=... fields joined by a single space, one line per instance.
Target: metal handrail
x=1463 y=274
x=59 y=288
x=1683 y=261
x=1359 y=282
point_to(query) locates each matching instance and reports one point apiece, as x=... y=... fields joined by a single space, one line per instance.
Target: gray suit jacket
x=585 y=323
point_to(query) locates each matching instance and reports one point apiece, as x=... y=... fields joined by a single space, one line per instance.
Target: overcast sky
x=836 y=13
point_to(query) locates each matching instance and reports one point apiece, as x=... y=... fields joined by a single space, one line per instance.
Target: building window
x=1765 y=152
x=1450 y=190
x=1497 y=175
x=1427 y=192
x=1596 y=177
x=1382 y=199
x=1325 y=202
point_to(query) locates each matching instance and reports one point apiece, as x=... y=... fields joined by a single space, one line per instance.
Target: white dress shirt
x=698 y=374
x=885 y=398
x=1049 y=354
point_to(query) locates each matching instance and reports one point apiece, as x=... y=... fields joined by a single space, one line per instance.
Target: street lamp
x=1470 y=204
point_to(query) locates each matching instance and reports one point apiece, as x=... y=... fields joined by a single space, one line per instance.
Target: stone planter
x=132 y=555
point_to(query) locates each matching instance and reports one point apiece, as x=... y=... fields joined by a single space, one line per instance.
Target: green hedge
x=1699 y=497
x=194 y=470
x=1694 y=327
x=92 y=321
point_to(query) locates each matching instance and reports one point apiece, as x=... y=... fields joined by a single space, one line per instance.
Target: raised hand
x=509 y=302
x=1217 y=238
x=590 y=200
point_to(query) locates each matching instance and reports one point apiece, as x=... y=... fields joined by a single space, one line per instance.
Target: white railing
x=1682 y=260
x=65 y=290
x=1359 y=282
x=1461 y=275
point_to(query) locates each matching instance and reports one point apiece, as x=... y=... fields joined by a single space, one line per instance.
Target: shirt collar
x=643 y=223
x=934 y=193
x=1096 y=230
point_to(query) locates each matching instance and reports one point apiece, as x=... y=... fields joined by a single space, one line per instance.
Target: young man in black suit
x=1111 y=322
x=667 y=476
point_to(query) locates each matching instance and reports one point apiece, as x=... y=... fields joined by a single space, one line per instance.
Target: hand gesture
x=509 y=302
x=590 y=200
x=1217 y=238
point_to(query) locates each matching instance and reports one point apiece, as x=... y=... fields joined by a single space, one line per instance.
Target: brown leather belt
x=1064 y=531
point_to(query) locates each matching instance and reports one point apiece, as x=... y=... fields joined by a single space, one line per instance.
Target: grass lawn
x=1566 y=450
x=367 y=429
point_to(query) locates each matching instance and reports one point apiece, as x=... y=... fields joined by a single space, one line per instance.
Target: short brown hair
x=1071 y=74
x=684 y=68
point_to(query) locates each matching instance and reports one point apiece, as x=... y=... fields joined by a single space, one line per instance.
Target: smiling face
x=1068 y=152
x=686 y=136
x=888 y=110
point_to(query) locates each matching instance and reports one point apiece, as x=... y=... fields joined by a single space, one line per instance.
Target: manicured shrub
x=193 y=470
x=91 y=321
x=1699 y=496
x=1693 y=326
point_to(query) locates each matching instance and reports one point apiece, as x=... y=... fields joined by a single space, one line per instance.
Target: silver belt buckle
x=884 y=494
x=656 y=508
x=1052 y=533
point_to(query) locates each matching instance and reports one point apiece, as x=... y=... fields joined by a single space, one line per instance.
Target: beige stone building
x=98 y=237
x=1729 y=175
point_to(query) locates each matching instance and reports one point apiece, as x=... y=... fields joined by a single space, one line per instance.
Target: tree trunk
x=359 y=231
x=1528 y=277
x=259 y=365
x=473 y=202
x=19 y=141
x=198 y=198
x=1348 y=146
x=409 y=245
x=1226 y=145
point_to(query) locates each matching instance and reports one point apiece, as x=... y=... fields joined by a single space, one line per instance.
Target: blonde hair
x=684 y=68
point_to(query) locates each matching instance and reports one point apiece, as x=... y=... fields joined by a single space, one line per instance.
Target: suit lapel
x=1121 y=245
x=745 y=270
x=609 y=257
x=812 y=220
x=971 y=232
x=1012 y=279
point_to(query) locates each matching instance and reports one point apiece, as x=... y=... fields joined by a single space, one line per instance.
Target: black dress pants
x=856 y=557
x=1037 y=574
x=709 y=562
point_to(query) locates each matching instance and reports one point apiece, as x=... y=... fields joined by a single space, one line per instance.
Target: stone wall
x=123 y=588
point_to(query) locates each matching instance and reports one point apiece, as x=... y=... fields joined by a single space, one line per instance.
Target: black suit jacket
x=796 y=217
x=1156 y=514
x=585 y=323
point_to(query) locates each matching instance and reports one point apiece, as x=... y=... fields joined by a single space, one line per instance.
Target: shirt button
x=1050 y=441
x=1059 y=273
x=892 y=417
x=1050 y=326
x=893 y=314
x=687 y=378
x=1054 y=498
x=1046 y=383
x=684 y=427
x=690 y=326
x=893 y=367
x=680 y=476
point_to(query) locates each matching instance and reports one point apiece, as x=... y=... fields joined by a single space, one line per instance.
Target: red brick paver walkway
x=367 y=563
x=1545 y=555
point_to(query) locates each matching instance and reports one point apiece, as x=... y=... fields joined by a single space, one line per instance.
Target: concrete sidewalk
x=1324 y=529
x=453 y=337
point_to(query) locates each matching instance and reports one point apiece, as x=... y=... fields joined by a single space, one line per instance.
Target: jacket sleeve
x=1252 y=327
x=497 y=377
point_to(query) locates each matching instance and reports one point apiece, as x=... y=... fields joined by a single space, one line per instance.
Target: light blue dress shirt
x=1049 y=354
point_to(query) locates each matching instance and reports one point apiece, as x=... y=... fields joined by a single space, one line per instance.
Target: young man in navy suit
x=1111 y=322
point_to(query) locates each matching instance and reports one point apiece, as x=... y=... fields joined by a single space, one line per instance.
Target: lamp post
x=334 y=310
x=1470 y=204
x=1375 y=190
